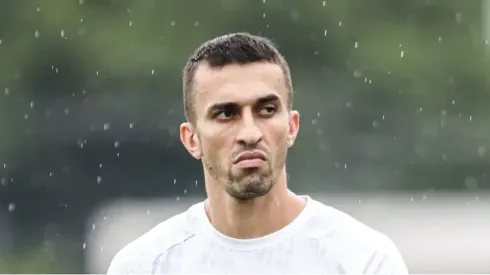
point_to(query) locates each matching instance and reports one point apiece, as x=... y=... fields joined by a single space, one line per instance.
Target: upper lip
x=250 y=155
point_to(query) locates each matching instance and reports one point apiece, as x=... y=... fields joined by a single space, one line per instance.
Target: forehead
x=242 y=84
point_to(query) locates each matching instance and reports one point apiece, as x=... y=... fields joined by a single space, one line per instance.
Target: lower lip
x=250 y=163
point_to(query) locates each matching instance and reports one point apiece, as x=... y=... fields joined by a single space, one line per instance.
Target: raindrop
x=67 y=111
x=3 y=181
x=178 y=198
x=99 y=179
x=453 y=102
x=131 y=125
x=130 y=23
x=36 y=34
x=471 y=183
x=116 y=144
x=196 y=23
x=11 y=207
x=117 y=155
x=482 y=151
x=100 y=165
x=81 y=20
x=444 y=157
x=325 y=32
x=26 y=116
x=197 y=182
x=97 y=73
x=345 y=166
x=340 y=23
x=81 y=1
x=402 y=53
x=348 y=104
x=172 y=23
x=471 y=118
x=31 y=104
x=263 y=15
x=383 y=117
x=84 y=245
x=185 y=191
x=175 y=181
x=359 y=202
x=4 y=165
x=263 y=1
x=357 y=73
x=411 y=199
x=459 y=17
x=38 y=9
x=101 y=248
x=356 y=44
x=152 y=72
x=107 y=126
x=62 y=33
x=375 y=124
x=324 y=3
x=93 y=226
x=147 y=212
x=50 y=174
x=439 y=39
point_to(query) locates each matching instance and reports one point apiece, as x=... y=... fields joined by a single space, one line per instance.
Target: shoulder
x=138 y=256
x=357 y=247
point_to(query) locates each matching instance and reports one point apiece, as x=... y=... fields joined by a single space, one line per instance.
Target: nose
x=249 y=133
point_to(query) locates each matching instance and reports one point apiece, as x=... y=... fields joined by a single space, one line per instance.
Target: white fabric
x=321 y=240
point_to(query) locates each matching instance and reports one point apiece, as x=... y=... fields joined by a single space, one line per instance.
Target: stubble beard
x=250 y=184
x=246 y=184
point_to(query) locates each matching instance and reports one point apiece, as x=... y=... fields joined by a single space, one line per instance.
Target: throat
x=254 y=218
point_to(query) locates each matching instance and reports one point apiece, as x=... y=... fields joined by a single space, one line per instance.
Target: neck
x=256 y=217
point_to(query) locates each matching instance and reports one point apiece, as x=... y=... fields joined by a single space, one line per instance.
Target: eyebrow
x=226 y=105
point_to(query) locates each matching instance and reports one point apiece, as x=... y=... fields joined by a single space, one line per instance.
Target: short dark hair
x=235 y=48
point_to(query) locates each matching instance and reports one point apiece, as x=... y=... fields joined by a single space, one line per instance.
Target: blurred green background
x=393 y=96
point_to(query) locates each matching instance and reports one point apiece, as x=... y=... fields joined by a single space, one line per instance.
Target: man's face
x=243 y=127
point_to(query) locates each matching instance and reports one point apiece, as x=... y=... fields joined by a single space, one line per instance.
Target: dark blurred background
x=393 y=97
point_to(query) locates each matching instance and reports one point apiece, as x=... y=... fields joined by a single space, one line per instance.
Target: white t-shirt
x=321 y=240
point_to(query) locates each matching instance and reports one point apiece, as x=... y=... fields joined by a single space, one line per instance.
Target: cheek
x=215 y=142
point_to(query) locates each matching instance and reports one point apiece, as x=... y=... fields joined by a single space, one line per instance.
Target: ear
x=293 y=127
x=190 y=139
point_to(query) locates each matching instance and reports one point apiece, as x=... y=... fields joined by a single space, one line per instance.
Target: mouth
x=250 y=159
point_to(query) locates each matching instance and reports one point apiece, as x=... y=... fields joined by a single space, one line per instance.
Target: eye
x=225 y=114
x=268 y=110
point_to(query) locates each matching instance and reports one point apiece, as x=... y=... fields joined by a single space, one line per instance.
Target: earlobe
x=190 y=140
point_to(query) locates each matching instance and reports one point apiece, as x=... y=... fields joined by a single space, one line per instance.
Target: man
x=240 y=124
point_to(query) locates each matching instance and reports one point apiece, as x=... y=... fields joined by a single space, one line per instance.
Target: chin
x=250 y=187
